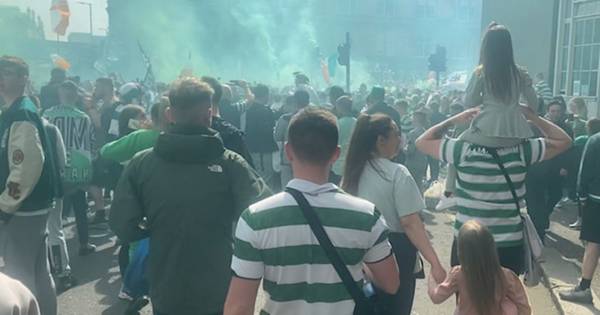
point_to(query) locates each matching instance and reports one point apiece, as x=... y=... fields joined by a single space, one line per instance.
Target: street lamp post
x=90 y=7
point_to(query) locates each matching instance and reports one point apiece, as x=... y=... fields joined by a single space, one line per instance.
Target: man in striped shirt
x=543 y=89
x=482 y=192
x=274 y=242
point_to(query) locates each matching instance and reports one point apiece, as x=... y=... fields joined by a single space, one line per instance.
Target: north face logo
x=215 y=168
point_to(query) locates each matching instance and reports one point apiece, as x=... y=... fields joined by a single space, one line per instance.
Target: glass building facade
x=578 y=49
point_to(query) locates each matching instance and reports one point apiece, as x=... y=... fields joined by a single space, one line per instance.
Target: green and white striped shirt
x=482 y=192
x=274 y=242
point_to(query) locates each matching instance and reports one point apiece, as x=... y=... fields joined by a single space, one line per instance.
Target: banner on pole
x=60 y=13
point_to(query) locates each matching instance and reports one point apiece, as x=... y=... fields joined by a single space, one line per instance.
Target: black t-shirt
x=230 y=112
x=260 y=121
x=233 y=138
x=49 y=95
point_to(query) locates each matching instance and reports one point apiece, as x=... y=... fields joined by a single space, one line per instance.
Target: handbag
x=532 y=244
x=364 y=305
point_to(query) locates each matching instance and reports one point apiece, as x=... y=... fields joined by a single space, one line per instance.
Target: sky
x=79 y=21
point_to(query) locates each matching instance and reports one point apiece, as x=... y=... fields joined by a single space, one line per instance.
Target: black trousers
x=123 y=259
x=401 y=303
x=543 y=193
x=78 y=201
x=434 y=168
x=512 y=258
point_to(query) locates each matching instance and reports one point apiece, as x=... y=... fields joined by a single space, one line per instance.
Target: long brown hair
x=498 y=62
x=481 y=268
x=363 y=145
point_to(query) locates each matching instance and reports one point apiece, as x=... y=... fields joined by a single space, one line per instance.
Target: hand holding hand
x=438 y=273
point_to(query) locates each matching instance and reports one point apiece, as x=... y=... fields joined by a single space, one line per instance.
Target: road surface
x=100 y=281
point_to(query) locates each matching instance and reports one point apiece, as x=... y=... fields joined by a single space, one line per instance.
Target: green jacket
x=123 y=149
x=588 y=180
x=190 y=190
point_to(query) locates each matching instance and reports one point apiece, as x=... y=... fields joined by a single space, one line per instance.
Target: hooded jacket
x=187 y=191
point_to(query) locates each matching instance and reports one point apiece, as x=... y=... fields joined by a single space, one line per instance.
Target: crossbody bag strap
x=325 y=243
x=509 y=181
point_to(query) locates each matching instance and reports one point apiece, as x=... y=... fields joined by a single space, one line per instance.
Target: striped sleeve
x=534 y=150
x=247 y=259
x=381 y=247
x=447 y=148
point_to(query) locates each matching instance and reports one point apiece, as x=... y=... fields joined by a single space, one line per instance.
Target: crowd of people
x=214 y=188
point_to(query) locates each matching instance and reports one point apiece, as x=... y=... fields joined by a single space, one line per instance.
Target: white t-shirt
x=392 y=189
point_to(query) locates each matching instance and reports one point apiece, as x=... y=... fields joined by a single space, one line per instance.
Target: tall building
x=559 y=38
x=532 y=25
x=578 y=49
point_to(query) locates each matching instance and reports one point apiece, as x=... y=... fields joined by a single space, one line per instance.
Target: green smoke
x=259 y=40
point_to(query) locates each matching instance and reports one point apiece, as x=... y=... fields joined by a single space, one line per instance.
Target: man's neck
x=108 y=99
x=314 y=174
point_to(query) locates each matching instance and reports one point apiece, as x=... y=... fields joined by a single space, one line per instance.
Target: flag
x=60 y=13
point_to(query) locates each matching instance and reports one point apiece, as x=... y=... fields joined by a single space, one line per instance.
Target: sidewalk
x=562 y=266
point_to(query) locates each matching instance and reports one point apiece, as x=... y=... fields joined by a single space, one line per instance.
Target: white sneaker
x=446 y=203
x=124 y=296
x=576 y=225
x=565 y=202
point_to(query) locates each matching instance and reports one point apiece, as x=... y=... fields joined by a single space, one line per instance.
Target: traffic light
x=437 y=60
x=343 y=54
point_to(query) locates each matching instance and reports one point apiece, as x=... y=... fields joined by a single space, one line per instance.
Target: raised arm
x=429 y=142
x=527 y=90
x=557 y=140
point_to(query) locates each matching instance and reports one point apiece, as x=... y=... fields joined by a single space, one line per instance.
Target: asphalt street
x=99 y=279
